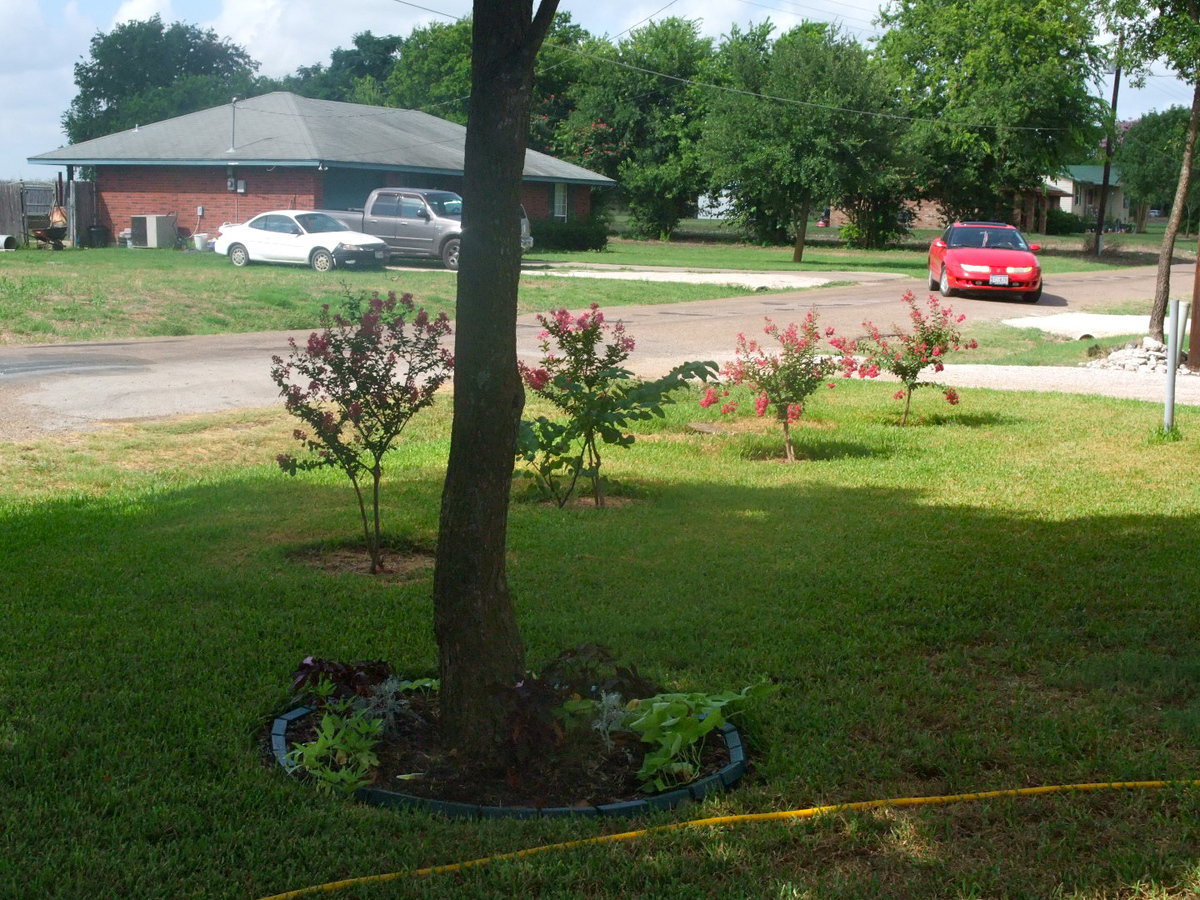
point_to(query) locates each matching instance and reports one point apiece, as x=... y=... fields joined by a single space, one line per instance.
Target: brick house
x=283 y=151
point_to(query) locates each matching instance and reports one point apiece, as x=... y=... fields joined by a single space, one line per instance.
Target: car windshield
x=987 y=238
x=445 y=203
x=315 y=223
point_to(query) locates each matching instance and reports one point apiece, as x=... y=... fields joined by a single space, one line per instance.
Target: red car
x=985 y=257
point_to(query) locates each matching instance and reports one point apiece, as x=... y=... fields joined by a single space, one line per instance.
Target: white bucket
x=201 y=241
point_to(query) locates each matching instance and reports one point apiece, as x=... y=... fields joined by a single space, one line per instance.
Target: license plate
x=380 y=254
x=998 y=280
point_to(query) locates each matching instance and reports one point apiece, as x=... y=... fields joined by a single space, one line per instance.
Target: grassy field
x=115 y=293
x=118 y=293
x=1000 y=596
x=820 y=256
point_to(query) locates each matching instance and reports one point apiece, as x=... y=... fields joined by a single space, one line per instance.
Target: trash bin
x=97 y=236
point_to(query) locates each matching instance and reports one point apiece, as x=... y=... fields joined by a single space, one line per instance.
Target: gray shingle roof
x=285 y=129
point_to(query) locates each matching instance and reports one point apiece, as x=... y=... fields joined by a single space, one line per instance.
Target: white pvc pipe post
x=1178 y=316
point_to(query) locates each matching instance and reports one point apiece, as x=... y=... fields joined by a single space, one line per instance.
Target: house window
x=560 y=202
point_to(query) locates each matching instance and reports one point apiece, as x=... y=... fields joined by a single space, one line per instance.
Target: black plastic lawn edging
x=723 y=779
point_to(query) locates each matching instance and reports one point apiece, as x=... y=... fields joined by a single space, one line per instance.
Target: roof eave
x=229 y=161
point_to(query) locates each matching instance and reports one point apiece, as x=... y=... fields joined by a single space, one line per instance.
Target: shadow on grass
x=766 y=448
x=926 y=647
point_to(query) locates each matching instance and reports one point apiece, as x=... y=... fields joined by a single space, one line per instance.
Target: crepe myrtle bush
x=355 y=384
x=783 y=380
x=581 y=372
x=935 y=332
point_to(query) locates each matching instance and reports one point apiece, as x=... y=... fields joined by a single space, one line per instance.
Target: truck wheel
x=450 y=254
x=321 y=260
x=238 y=256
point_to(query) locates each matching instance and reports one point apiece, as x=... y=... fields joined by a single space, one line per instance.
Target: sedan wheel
x=933 y=281
x=238 y=256
x=944 y=285
x=321 y=260
x=1032 y=296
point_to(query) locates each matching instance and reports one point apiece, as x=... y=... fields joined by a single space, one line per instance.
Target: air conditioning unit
x=153 y=231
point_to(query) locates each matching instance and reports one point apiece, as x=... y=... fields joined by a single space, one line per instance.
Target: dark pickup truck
x=416 y=222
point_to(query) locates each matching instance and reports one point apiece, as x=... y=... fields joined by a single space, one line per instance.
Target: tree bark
x=802 y=231
x=1162 y=287
x=479 y=644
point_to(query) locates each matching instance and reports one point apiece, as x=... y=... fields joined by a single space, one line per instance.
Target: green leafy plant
x=342 y=754
x=391 y=703
x=332 y=678
x=676 y=725
x=356 y=384
x=784 y=380
x=906 y=355
x=581 y=373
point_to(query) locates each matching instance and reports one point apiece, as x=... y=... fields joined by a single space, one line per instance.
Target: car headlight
x=1019 y=270
x=353 y=247
x=977 y=270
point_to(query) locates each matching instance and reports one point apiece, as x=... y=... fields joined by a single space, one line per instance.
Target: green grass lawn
x=819 y=256
x=1000 y=596
x=120 y=293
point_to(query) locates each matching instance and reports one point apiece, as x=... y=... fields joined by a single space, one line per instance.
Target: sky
x=41 y=40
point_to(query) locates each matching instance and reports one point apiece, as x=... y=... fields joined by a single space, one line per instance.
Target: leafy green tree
x=351 y=73
x=1168 y=30
x=640 y=127
x=143 y=71
x=431 y=71
x=1000 y=93
x=806 y=120
x=1149 y=156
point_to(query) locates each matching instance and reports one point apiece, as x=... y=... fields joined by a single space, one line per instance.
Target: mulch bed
x=580 y=771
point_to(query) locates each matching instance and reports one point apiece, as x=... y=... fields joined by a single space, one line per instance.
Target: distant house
x=1081 y=187
x=281 y=150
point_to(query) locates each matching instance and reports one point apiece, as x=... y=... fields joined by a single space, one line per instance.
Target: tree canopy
x=144 y=71
x=351 y=73
x=1149 y=156
x=806 y=120
x=641 y=127
x=1000 y=93
x=1168 y=30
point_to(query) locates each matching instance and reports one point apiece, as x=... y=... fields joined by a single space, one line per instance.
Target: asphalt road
x=52 y=387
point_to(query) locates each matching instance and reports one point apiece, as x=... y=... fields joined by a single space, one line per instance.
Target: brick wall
x=127 y=191
x=925 y=215
x=538 y=200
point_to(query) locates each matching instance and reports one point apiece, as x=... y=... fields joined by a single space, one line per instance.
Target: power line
x=717 y=87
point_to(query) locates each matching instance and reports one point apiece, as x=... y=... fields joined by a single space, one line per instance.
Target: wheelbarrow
x=52 y=235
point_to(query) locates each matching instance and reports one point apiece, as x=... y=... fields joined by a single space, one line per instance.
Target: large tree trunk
x=801 y=215
x=1162 y=287
x=479 y=645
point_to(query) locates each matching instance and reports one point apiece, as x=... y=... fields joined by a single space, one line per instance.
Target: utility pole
x=1109 y=147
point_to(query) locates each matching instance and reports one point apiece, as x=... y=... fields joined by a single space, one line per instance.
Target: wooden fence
x=12 y=215
x=25 y=206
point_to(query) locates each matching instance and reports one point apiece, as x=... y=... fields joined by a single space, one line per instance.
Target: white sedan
x=302 y=237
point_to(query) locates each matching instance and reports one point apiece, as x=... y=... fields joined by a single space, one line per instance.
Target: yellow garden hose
x=809 y=813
